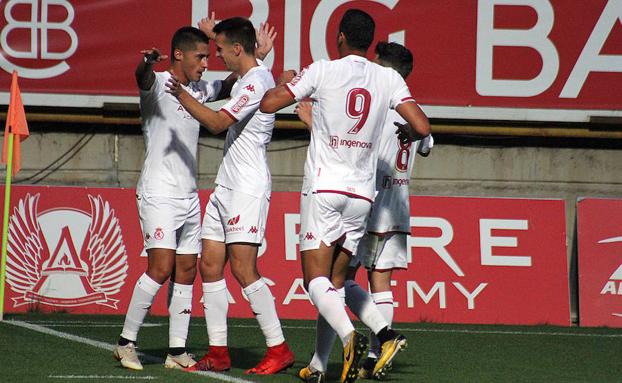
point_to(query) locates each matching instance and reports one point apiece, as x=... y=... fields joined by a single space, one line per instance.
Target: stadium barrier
x=472 y=260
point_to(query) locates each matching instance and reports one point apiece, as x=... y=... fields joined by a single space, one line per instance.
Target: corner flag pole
x=5 y=221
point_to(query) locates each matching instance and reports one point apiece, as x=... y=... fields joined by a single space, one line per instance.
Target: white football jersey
x=391 y=209
x=351 y=98
x=244 y=165
x=171 y=138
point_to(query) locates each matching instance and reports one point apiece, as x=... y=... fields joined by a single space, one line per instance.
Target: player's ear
x=178 y=54
x=341 y=38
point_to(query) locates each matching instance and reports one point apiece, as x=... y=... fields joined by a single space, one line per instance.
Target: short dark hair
x=396 y=56
x=238 y=30
x=358 y=27
x=187 y=38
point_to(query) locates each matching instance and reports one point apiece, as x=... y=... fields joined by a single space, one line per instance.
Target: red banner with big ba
x=487 y=59
x=472 y=260
x=600 y=262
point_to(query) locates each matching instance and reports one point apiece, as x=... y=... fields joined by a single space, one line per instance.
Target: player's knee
x=159 y=273
x=244 y=274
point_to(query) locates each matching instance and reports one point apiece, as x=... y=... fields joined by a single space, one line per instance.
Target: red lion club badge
x=65 y=257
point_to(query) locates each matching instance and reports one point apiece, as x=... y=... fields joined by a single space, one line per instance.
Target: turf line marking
x=124 y=377
x=403 y=329
x=110 y=347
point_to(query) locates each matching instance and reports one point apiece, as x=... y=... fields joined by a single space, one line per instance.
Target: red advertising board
x=485 y=59
x=600 y=262
x=473 y=260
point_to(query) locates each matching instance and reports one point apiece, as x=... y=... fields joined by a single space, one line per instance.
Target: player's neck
x=179 y=74
x=345 y=50
x=246 y=63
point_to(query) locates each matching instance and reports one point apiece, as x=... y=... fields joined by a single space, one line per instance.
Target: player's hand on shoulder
x=152 y=56
x=173 y=86
x=286 y=77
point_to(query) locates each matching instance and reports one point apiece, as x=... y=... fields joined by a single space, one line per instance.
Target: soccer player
x=166 y=194
x=352 y=97
x=383 y=248
x=235 y=217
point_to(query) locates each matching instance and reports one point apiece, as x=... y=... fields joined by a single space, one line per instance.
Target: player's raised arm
x=265 y=40
x=418 y=125
x=280 y=96
x=144 y=71
x=215 y=122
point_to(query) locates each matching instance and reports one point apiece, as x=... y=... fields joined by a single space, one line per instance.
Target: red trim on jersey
x=229 y=114
x=352 y=195
x=408 y=99
x=290 y=91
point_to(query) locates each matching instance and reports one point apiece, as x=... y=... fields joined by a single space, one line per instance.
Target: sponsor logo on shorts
x=336 y=142
x=240 y=104
x=253 y=230
x=309 y=236
x=234 y=229
x=234 y=220
x=330 y=289
x=158 y=234
x=186 y=311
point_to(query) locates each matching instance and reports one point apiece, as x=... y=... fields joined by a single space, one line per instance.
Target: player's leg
x=180 y=293
x=392 y=256
x=215 y=296
x=156 y=217
x=242 y=248
x=321 y=225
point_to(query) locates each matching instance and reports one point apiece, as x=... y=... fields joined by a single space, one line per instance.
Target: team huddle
x=365 y=130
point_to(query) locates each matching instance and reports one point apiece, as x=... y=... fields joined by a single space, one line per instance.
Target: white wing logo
x=59 y=275
x=26 y=248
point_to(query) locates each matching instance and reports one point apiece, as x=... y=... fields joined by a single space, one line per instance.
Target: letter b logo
x=38 y=31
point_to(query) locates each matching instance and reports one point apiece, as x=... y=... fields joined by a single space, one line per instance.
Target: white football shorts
x=384 y=252
x=327 y=217
x=232 y=216
x=170 y=223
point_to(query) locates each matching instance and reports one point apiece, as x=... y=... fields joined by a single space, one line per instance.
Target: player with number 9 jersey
x=351 y=98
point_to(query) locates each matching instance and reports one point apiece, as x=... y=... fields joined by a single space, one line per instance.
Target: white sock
x=179 y=311
x=362 y=305
x=324 y=340
x=262 y=304
x=142 y=298
x=327 y=301
x=216 y=306
x=384 y=302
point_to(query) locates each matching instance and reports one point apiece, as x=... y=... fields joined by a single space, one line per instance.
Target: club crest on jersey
x=240 y=104
x=65 y=257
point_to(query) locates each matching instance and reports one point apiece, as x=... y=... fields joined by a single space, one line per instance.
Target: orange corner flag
x=16 y=124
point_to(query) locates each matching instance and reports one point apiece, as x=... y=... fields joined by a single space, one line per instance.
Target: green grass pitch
x=72 y=348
